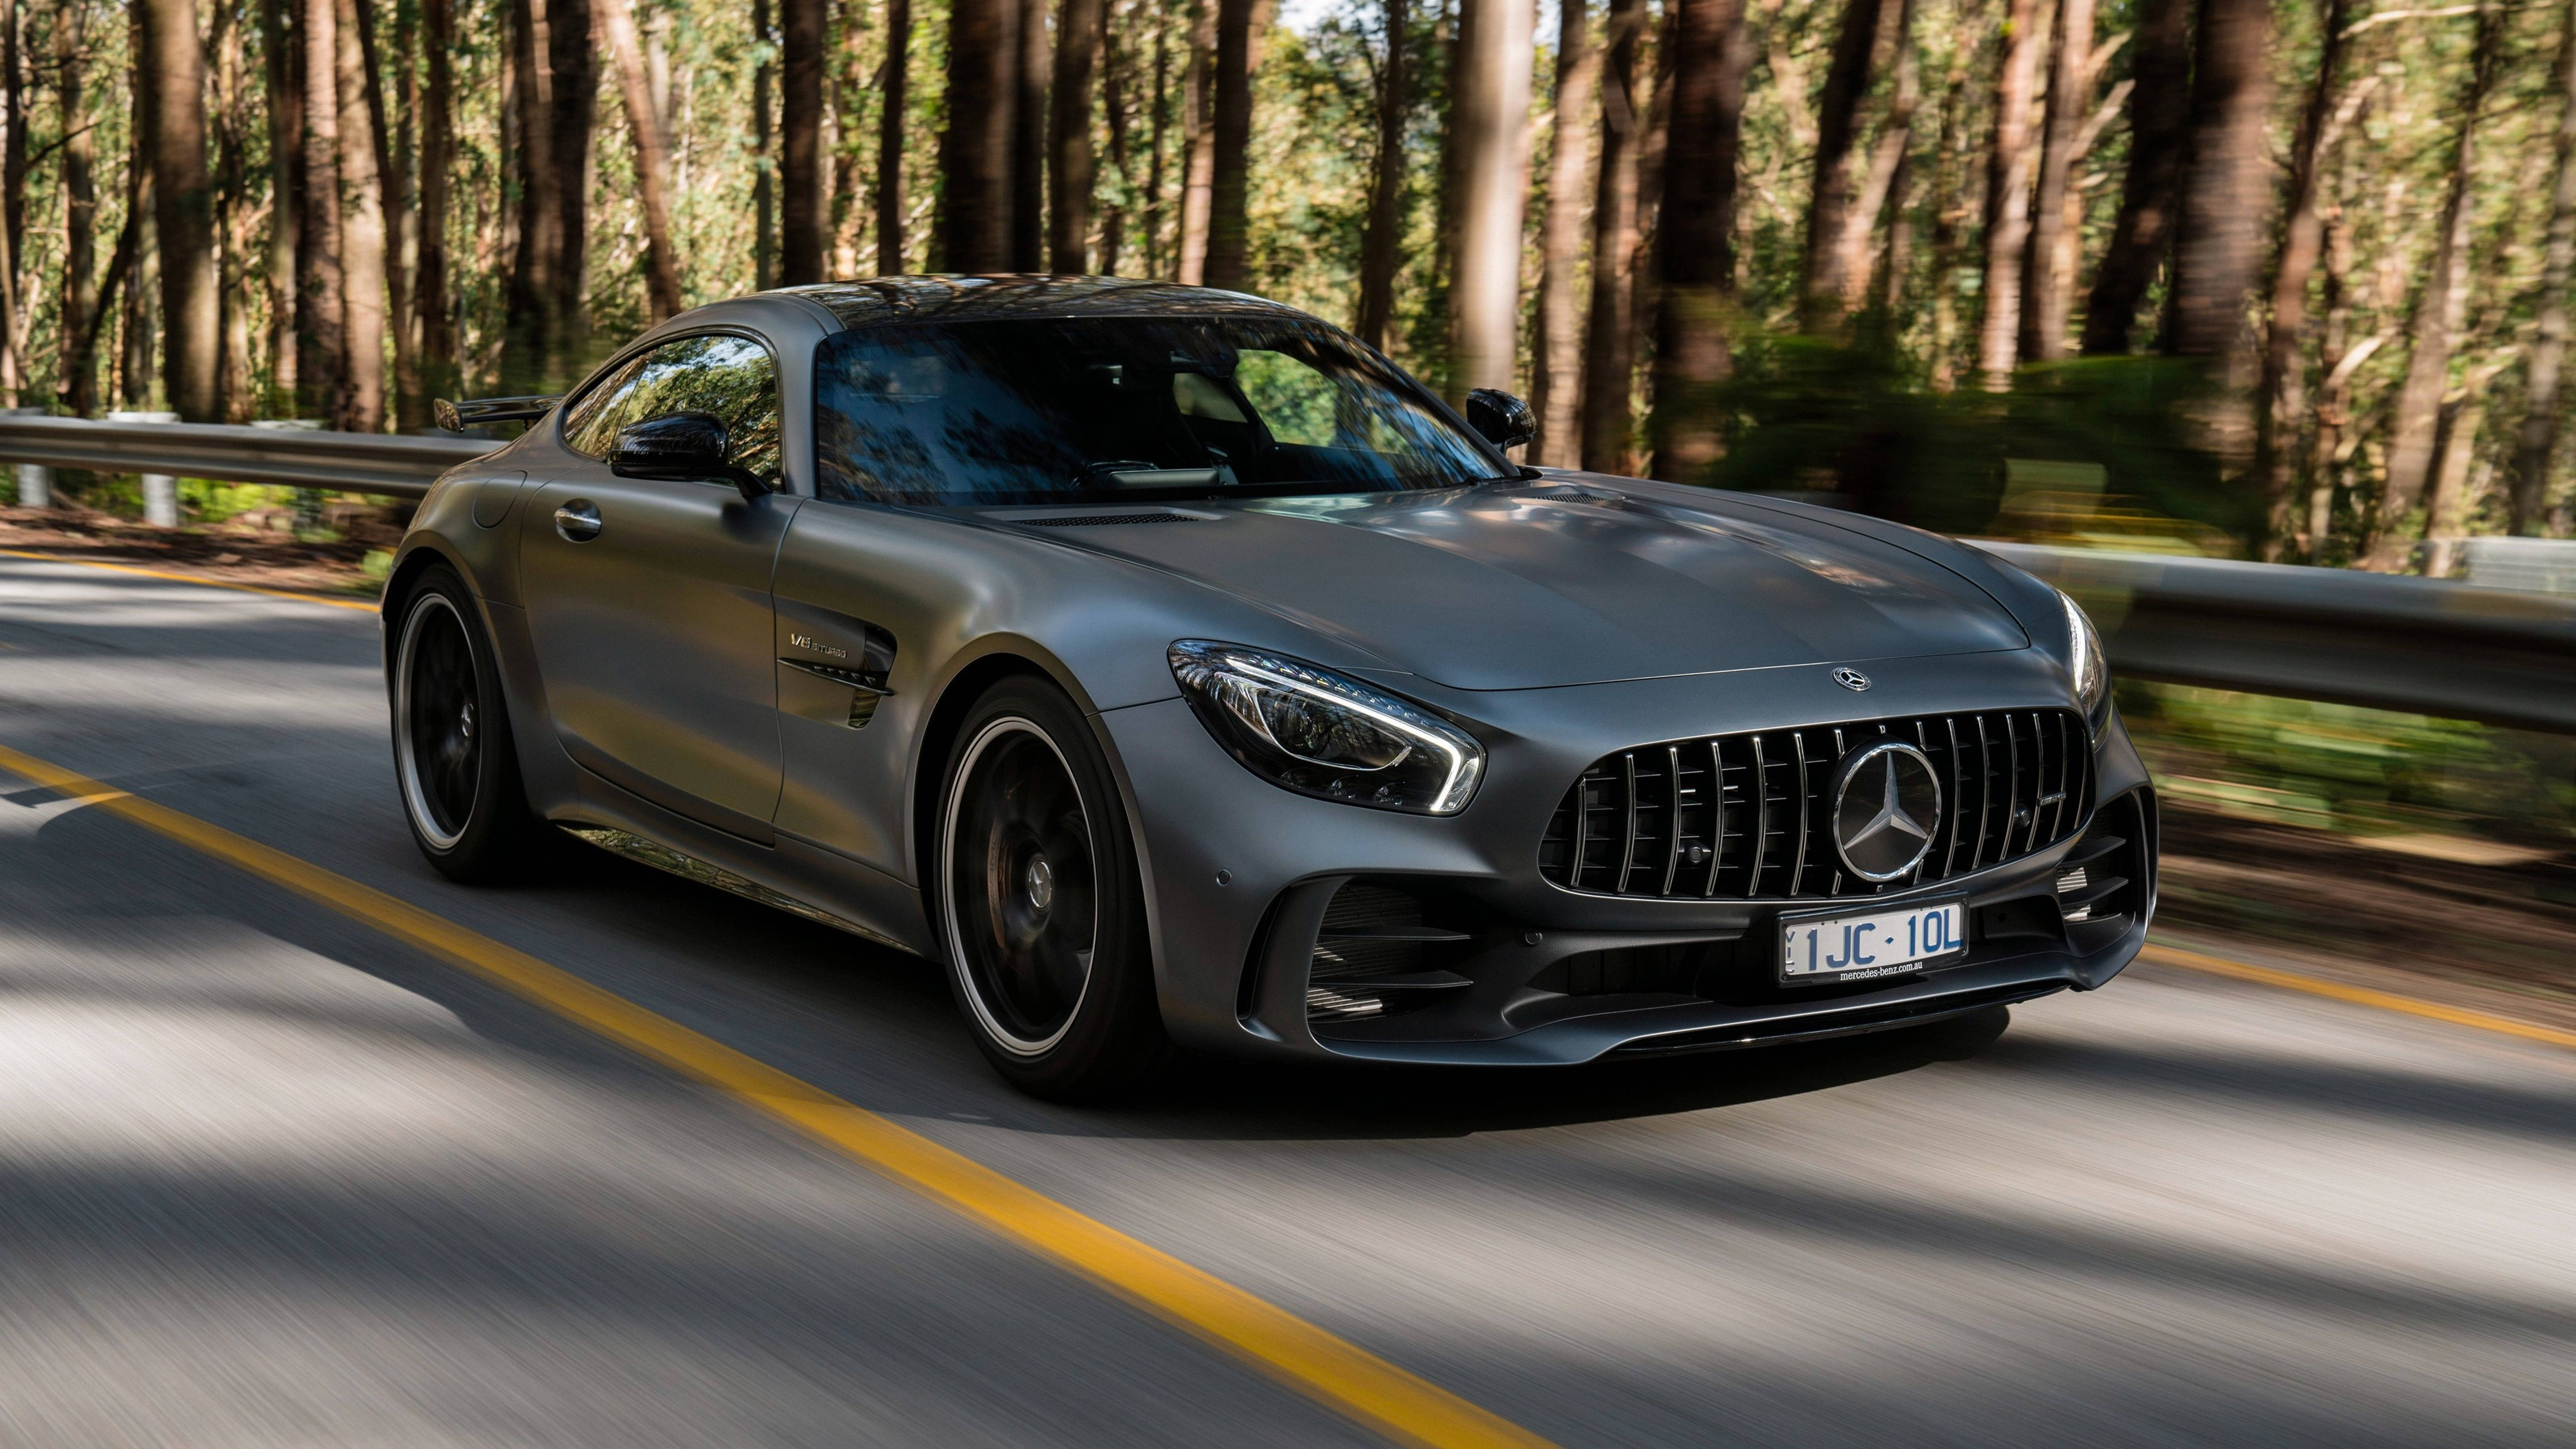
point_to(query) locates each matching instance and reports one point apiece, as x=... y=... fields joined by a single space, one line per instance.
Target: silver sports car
x=1177 y=671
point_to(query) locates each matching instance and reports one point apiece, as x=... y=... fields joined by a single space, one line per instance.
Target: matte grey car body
x=764 y=690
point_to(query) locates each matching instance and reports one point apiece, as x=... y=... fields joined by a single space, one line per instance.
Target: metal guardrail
x=401 y=467
x=2424 y=646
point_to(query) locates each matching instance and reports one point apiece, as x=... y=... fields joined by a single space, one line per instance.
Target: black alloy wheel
x=1040 y=901
x=452 y=751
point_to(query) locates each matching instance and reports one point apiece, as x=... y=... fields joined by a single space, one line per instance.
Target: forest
x=2285 y=279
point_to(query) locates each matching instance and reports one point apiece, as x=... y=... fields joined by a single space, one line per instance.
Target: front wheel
x=452 y=750
x=1040 y=902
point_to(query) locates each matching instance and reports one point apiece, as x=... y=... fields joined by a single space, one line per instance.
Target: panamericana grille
x=1748 y=816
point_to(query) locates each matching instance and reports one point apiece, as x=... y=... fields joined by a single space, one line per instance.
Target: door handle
x=578 y=521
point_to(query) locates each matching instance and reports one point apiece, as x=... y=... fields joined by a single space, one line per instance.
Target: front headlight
x=1317 y=733
x=2084 y=658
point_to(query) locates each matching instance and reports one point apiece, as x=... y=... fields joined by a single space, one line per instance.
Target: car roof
x=877 y=301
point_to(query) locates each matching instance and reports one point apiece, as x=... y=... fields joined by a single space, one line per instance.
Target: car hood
x=1543 y=584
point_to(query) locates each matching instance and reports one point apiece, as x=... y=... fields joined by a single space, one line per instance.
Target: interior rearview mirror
x=1503 y=419
x=686 y=447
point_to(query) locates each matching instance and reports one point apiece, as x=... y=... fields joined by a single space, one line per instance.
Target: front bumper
x=1240 y=876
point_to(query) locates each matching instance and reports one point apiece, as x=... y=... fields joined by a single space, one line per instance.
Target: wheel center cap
x=1039 y=882
x=465 y=720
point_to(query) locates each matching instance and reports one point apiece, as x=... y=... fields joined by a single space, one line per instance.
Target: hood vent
x=1091 y=520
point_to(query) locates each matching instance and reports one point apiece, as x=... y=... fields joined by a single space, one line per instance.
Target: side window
x=1295 y=400
x=731 y=377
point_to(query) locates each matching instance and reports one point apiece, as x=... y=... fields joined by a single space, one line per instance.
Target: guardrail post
x=160 y=490
x=35 y=480
x=308 y=501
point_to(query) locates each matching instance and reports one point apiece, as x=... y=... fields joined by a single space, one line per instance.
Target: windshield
x=1049 y=410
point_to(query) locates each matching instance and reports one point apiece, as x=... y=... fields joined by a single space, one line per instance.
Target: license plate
x=1880 y=943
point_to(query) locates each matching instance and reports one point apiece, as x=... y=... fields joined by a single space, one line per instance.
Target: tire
x=454 y=760
x=1039 y=902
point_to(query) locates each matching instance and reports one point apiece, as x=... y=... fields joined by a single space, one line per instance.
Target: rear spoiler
x=456 y=417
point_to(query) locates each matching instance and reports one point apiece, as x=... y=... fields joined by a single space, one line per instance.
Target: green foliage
x=1806 y=414
x=2354 y=771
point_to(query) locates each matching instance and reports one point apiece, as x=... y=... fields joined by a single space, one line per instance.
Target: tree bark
x=1231 y=136
x=2159 y=127
x=362 y=238
x=2283 y=393
x=803 y=36
x=1117 y=64
x=1862 y=47
x=2226 y=190
x=410 y=409
x=1489 y=109
x=285 y=108
x=1155 y=251
x=2537 y=442
x=1382 y=238
x=324 y=307
x=1072 y=169
x=975 y=150
x=575 y=67
x=231 y=122
x=653 y=153
x=2046 y=286
x=890 y=123
x=172 y=66
x=1029 y=142
x=1610 y=342
x=1695 y=248
x=2008 y=182
x=13 y=205
x=437 y=157
x=1198 y=143
x=76 y=381
x=1882 y=187
x=1556 y=378
x=2440 y=308
x=764 y=158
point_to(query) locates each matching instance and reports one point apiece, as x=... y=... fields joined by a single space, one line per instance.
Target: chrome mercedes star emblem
x=1887 y=803
x=1851 y=679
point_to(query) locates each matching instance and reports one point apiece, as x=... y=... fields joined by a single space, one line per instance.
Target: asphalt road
x=268 y=1178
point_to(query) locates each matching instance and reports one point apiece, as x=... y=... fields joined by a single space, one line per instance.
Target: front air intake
x=1749 y=816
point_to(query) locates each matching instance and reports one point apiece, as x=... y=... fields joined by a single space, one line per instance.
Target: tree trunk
x=1610 y=342
x=1556 y=373
x=1072 y=169
x=1882 y=187
x=575 y=68
x=2226 y=191
x=285 y=97
x=764 y=158
x=890 y=122
x=2159 y=129
x=1490 y=101
x=437 y=156
x=1382 y=238
x=1029 y=141
x=1116 y=66
x=2336 y=358
x=653 y=152
x=2282 y=399
x=1155 y=252
x=324 y=307
x=233 y=217
x=1198 y=143
x=362 y=238
x=2440 y=308
x=1862 y=47
x=2008 y=179
x=1645 y=311
x=2045 y=287
x=803 y=36
x=975 y=150
x=13 y=206
x=1231 y=134
x=2446 y=514
x=76 y=380
x=2537 y=443
x=847 y=221
x=409 y=408
x=172 y=66
x=1695 y=246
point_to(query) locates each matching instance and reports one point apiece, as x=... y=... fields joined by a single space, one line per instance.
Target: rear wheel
x=1040 y=901
x=452 y=749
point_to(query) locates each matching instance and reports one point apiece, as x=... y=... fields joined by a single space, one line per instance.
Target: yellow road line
x=91 y=563
x=1340 y=1374
x=2164 y=955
